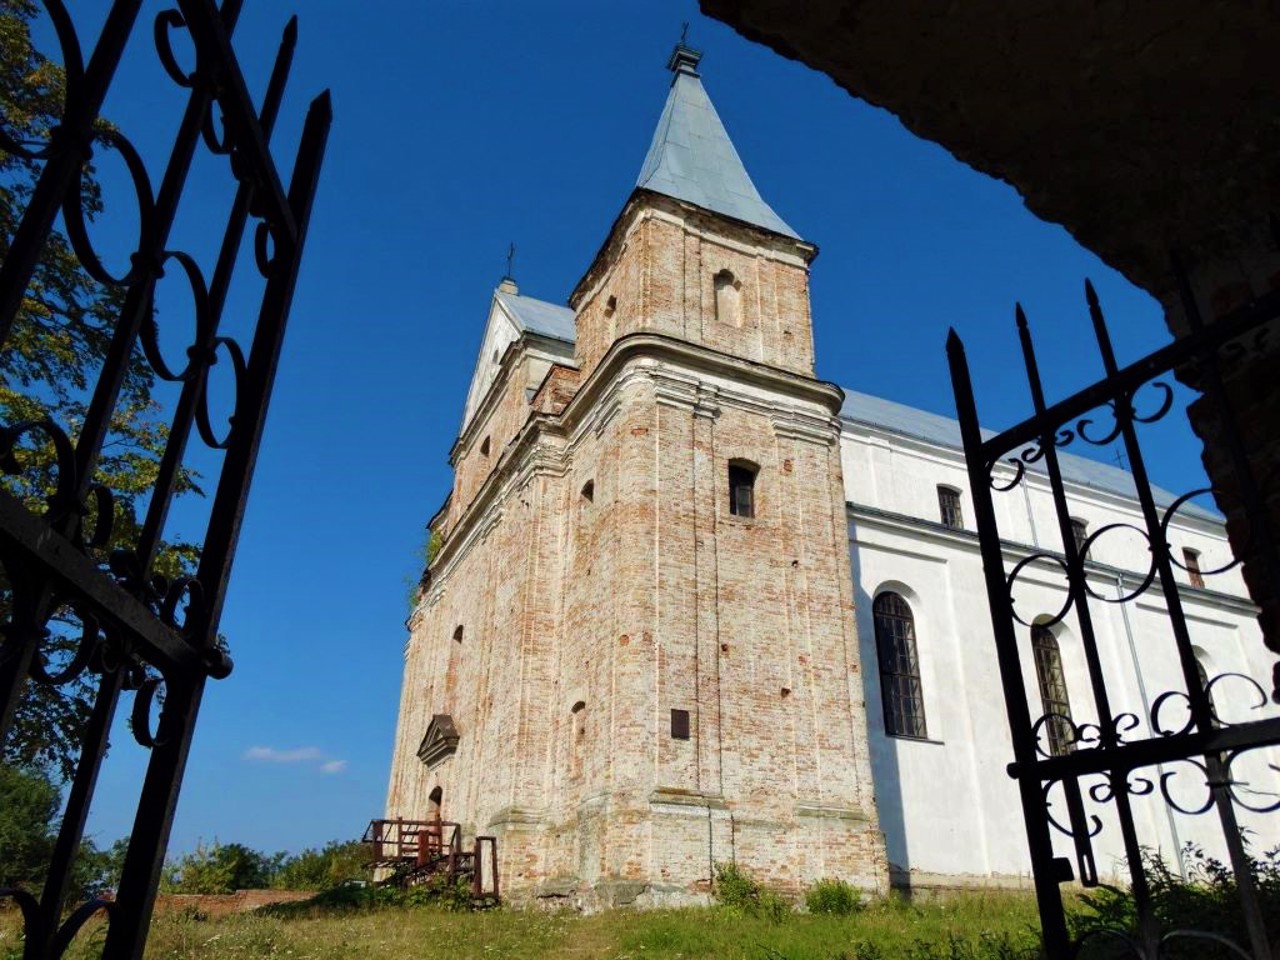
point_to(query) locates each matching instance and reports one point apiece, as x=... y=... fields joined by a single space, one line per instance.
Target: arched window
x=899 y=668
x=484 y=447
x=949 y=508
x=742 y=486
x=577 y=737
x=430 y=838
x=1053 y=691
x=589 y=491
x=1079 y=532
x=1204 y=684
x=457 y=634
x=728 y=299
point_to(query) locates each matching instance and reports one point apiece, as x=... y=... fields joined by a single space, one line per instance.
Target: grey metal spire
x=692 y=158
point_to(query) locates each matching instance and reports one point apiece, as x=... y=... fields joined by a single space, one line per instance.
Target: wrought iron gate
x=1111 y=758
x=135 y=637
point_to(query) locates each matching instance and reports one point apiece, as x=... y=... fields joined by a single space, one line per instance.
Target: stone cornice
x=638 y=357
x=954 y=456
x=796 y=426
x=689 y=356
x=1014 y=552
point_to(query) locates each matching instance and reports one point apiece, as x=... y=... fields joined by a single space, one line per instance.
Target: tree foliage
x=225 y=868
x=219 y=868
x=28 y=804
x=335 y=864
x=29 y=807
x=47 y=370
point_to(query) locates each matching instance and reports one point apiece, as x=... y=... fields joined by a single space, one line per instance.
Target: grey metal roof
x=692 y=158
x=538 y=316
x=943 y=431
x=552 y=320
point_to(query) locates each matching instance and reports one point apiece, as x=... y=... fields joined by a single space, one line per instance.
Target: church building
x=693 y=605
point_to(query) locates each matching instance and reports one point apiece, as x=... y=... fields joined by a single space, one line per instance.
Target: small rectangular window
x=679 y=724
x=742 y=481
x=1191 y=560
x=949 y=508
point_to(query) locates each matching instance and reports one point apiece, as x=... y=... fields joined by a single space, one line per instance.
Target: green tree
x=47 y=369
x=333 y=865
x=219 y=868
x=29 y=805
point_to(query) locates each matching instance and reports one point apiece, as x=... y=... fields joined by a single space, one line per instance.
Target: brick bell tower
x=678 y=680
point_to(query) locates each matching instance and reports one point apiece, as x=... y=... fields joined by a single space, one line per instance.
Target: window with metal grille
x=1053 y=691
x=742 y=483
x=1191 y=560
x=1079 y=533
x=899 y=668
x=949 y=508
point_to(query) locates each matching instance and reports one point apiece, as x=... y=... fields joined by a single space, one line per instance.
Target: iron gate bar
x=1147 y=753
x=1104 y=752
x=1046 y=870
x=130 y=618
x=1201 y=711
x=193 y=388
x=69 y=144
x=1207 y=339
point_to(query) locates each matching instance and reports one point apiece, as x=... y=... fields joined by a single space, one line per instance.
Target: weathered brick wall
x=498 y=421
x=648 y=596
x=659 y=269
x=556 y=391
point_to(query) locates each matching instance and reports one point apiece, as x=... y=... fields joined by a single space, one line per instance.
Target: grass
x=972 y=926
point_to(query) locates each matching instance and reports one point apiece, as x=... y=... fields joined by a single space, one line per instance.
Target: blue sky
x=460 y=128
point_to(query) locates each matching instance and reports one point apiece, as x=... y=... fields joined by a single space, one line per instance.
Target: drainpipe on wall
x=1146 y=709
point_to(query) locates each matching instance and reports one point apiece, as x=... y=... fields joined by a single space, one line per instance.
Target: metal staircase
x=407 y=853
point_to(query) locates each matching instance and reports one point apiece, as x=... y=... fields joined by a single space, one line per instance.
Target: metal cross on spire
x=511 y=257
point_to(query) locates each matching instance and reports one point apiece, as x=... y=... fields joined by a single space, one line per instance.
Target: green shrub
x=1207 y=900
x=774 y=907
x=832 y=896
x=334 y=865
x=217 y=868
x=734 y=887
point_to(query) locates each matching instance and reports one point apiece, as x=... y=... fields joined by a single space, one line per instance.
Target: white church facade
x=693 y=605
x=948 y=810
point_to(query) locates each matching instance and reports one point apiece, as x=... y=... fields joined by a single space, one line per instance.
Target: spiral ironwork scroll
x=1185 y=749
x=125 y=627
x=1012 y=579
